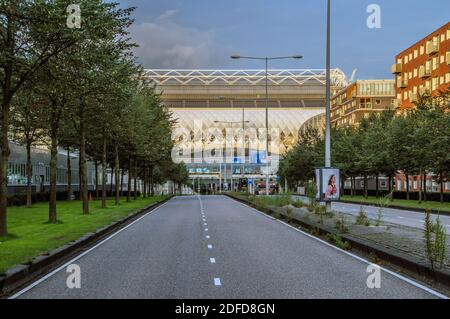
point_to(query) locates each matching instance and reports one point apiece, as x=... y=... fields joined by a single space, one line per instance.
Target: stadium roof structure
x=163 y=77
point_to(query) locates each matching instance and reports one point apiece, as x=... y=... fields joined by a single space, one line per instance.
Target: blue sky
x=204 y=33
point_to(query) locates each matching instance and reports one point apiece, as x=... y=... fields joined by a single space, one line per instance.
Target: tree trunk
x=104 y=172
x=441 y=182
x=121 y=181
x=129 y=178
x=117 y=177
x=352 y=186
x=29 y=173
x=4 y=154
x=420 y=186
x=425 y=186
x=83 y=168
x=96 y=179
x=152 y=186
x=144 y=192
x=135 y=179
x=365 y=187
x=111 y=185
x=53 y=169
x=377 y=190
x=69 y=175
x=407 y=186
x=391 y=191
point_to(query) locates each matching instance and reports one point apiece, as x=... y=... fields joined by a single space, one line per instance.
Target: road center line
x=217 y=282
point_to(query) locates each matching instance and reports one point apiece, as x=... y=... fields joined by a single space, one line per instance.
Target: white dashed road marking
x=209 y=246
x=217 y=282
x=212 y=260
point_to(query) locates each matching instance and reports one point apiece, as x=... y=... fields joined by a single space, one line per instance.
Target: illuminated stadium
x=236 y=100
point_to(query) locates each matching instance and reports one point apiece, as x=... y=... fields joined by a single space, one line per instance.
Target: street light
x=328 y=98
x=267 y=59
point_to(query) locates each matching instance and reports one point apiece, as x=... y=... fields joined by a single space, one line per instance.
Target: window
x=410 y=56
x=435 y=63
x=447 y=78
x=442 y=37
x=434 y=83
x=442 y=59
x=365 y=103
x=415 y=72
x=416 y=53
x=422 y=50
x=377 y=101
x=406 y=59
x=383 y=184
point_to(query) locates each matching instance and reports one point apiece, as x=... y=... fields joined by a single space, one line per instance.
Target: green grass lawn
x=30 y=235
x=443 y=207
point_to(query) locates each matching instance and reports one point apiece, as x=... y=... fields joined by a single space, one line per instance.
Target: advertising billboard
x=327 y=184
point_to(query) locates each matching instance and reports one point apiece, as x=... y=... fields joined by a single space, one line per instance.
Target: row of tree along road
x=79 y=88
x=413 y=142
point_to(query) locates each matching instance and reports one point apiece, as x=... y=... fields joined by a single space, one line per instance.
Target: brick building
x=423 y=67
x=360 y=99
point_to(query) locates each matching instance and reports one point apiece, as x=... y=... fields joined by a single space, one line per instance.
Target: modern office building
x=359 y=99
x=233 y=100
x=423 y=67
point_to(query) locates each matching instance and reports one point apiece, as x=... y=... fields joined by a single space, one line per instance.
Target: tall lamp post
x=267 y=59
x=328 y=98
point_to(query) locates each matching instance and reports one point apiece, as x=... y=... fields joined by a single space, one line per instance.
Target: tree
x=27 y=127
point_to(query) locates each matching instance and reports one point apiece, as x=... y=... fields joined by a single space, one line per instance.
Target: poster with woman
x=328 y=190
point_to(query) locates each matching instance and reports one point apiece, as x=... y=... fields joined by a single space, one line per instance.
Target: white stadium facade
x=232 y=103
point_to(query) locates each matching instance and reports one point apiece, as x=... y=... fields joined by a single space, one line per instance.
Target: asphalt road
x=215 y=247
x=390 y=215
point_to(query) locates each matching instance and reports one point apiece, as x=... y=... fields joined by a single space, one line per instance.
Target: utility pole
x=328 y=98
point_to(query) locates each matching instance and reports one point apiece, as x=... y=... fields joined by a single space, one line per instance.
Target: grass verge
x=436 y=206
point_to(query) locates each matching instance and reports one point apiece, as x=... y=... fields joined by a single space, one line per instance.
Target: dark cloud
x=163 y=43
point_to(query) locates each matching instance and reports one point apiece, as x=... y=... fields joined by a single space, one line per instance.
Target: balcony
x=432 y=48
x=396 y=68
x=447 y=58
x=402 y=83
x=424 y=72
x=413 y=97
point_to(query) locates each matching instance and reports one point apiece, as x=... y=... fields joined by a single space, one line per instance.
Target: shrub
x=362 y=218
x=297 y=203
x=435 y=238
x=338 y=241
x=341 y=225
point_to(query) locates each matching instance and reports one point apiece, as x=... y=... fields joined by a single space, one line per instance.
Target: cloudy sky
x=204 y=33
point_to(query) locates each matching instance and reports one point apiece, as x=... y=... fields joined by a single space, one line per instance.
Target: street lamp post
x=328 y=99
x=267 y=59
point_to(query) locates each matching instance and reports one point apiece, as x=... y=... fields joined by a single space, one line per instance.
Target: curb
x=401 y=260
x=20 y=275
